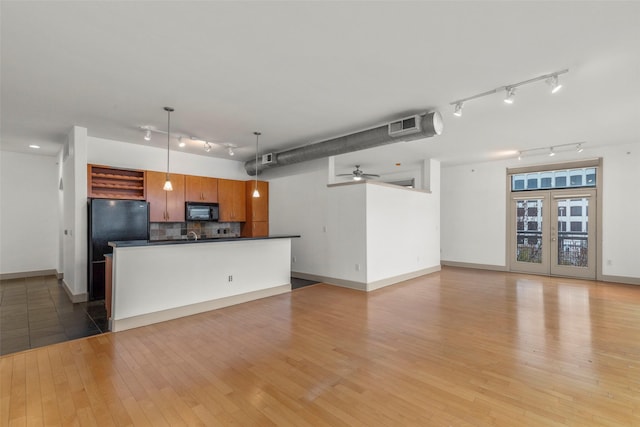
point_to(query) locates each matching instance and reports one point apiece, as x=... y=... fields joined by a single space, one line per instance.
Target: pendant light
x=256 y=193
x=167 y=183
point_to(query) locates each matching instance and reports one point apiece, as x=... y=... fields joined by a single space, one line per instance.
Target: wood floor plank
x=459 y=347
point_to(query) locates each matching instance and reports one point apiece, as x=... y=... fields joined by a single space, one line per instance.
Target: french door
x=553 y=232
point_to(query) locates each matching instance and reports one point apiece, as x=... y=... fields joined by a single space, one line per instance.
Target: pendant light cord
x=169 y=110
x=255 y=190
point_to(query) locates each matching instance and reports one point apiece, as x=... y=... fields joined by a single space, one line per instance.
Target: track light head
x=147 y=135
x=579 y=148
x=519 y=155
x=207 y=146
x=458 y=110
x=511 y=93
x=181 y=143
x=230 y=147
x=551 y=152
x=553 y=82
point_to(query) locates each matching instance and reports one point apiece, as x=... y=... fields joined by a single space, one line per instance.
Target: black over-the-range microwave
x=201 y=211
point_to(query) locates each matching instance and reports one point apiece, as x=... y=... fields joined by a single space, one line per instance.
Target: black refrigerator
x=111 y=220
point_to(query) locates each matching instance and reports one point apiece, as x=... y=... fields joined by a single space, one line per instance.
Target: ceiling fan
x=359 y=174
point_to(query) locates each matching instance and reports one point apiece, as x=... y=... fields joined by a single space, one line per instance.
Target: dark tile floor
x=301 y=283
x=36 y=311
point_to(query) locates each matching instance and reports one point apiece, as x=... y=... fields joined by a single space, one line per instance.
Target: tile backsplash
x=204 y=229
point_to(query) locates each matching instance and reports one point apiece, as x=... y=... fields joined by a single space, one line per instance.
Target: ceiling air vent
x=268 y=159
x=405 y=126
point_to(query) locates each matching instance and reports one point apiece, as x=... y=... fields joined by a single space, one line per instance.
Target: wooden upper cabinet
x=104 y=182
x=201 y=189
x=257 y=207
x=257 y=224
x=231 y=198
x=165 y=206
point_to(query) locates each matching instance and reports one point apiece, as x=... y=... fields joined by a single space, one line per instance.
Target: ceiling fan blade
x=370 y=175
x=344 y=174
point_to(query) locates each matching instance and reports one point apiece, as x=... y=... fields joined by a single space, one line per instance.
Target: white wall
x=474 y=208
x=346 y=236
x=473 y=213
x=403 y=229
x=74 y=240
x=621 y=205
x=355 y=233
x=29 y=216
x=135 y=156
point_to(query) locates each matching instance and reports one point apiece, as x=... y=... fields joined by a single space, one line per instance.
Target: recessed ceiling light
x=34 y=146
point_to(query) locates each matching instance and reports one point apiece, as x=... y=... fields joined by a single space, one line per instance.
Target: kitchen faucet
x=195 y=235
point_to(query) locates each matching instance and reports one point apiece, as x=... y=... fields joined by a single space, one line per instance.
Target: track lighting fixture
x=551 y=79
x=149 y=130
x=511 y=93
x=553 y=82
x=458 y=109
x=551 y=151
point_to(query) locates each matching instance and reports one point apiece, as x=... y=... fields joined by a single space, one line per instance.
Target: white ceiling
x=302 y=72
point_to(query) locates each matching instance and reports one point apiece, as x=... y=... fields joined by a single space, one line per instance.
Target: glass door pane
x=529 y=233
x=572 y=234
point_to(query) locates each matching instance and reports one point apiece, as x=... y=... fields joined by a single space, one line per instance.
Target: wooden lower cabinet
x=165 y=206
x=257 y=224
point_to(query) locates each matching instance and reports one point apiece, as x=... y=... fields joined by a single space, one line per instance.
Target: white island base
x=158 y=282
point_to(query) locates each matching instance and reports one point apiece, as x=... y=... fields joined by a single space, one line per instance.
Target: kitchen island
x=155 y=281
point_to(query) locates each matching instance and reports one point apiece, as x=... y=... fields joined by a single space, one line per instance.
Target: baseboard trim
x=118 y=325
x=601 y=278
x=24 y=274
x=620 y=279
x=472 y=265
x=74 y=298
x=401 y=278
x=361 y=286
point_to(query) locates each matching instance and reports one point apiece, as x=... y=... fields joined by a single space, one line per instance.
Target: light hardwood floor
x=459 y=347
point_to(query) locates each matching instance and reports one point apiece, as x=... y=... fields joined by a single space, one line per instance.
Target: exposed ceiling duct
x=407 y=129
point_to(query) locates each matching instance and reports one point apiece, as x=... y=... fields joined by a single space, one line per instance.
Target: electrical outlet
x=324 y=228
x=230 y=278
x=609 y=262
x=357 y=267
x=294 y=259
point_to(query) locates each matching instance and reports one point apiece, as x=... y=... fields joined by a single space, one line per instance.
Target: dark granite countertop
x=133 y=243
